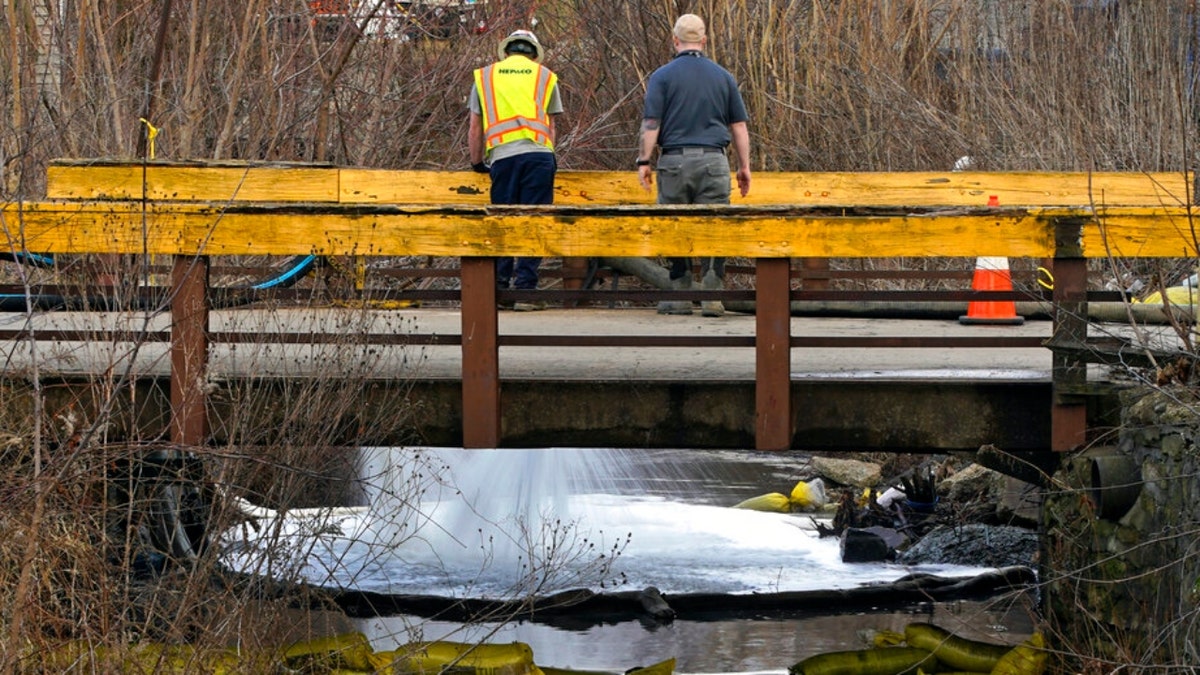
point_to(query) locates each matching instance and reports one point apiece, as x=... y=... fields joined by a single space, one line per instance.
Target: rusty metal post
x=574 y=273
x=772 y=347
x=816 y=274
x=480 y=354
x=1068 y=417
x=189 y=350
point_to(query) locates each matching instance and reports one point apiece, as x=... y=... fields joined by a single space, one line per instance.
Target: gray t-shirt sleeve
x=652 y=107
x=473 y=101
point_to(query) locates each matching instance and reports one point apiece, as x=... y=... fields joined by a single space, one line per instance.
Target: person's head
x=521 y=42
x=689 y=32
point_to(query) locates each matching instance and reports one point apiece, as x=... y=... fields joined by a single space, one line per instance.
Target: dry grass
x=830 y=85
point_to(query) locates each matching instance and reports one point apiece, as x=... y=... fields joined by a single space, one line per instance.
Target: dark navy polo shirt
x=695 y=101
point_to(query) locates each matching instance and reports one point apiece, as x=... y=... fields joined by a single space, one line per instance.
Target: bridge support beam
x=1068 y=414
x=189 y=350
x=772 y=361
x=480 y=354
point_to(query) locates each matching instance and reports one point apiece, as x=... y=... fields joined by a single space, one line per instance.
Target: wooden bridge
x=193 y=212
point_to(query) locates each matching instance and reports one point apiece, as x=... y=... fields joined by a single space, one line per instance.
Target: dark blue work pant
x=527 y=178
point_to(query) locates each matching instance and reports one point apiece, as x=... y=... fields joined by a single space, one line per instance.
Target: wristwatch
x=643 y=162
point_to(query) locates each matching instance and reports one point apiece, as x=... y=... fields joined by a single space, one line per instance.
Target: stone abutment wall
x=1122 y=546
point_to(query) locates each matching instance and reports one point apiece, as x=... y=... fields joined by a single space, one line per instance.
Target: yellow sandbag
x=808 y=496
x=349 y=651
x=74 y=656
x=661 y=668
x=148 y=657
x=383 y=661
x=1176 y=295
x=80 y=656
x=887 y=661
x=887 y=638
x=773 y=502
x=432 y=657
x=1027 y=658
x=956 y=652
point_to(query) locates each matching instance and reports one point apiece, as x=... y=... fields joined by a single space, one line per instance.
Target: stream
x=512 y=523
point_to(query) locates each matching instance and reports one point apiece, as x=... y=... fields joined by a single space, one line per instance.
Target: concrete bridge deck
x=441 y=362
x=906 y=399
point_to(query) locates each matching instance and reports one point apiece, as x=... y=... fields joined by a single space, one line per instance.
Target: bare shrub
x=830 y=85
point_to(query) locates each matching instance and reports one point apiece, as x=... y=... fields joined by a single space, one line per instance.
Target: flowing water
x=508 y=523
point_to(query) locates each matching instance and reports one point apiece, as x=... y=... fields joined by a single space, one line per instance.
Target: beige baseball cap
x=689 y=29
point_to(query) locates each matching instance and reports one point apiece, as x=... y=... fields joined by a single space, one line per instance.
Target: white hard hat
x=521 y=36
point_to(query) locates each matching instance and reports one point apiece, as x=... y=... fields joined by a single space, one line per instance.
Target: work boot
x=711 y=282
x=680 y=307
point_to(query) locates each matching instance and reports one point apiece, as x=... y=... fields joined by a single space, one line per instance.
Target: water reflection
x=717 y=646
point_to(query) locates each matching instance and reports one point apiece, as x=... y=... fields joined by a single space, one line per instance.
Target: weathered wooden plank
x=291 y=182
x=576 y=188
x=123 y=227
x=266 y=183
x=112 y=227
x=1143 y=233
x=971 y=189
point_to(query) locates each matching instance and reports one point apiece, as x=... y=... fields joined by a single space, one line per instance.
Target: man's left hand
x=645 y=177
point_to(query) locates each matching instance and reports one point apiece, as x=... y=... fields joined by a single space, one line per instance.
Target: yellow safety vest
x=514 y=94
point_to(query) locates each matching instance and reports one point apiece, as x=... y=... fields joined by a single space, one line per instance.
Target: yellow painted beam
x=388 y=230
x=223 y=182
x=574 y=188
x=971 y=189
x=918 y=189
x=1143 y=233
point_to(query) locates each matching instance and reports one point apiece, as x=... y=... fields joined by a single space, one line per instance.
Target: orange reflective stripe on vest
x=514 y=95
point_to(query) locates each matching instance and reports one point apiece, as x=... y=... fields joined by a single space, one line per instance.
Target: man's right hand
x=743 y=181
x=480 y=167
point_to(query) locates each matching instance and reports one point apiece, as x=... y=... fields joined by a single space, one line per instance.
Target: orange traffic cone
x=991 y=274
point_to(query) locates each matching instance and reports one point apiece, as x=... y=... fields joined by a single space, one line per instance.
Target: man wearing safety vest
x=511 y=137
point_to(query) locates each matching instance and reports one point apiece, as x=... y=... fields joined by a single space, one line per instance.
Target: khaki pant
x=694 y=176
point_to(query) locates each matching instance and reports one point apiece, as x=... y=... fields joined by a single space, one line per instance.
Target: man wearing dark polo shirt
x=693 y=109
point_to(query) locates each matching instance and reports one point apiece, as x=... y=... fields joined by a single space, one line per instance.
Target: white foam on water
x=509 y=523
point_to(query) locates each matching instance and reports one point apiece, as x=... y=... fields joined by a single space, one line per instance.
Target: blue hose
x=35 y=259
x=301 y=266
x=297 y=269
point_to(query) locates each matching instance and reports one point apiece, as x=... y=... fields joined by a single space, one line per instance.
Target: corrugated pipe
x=1116 y=482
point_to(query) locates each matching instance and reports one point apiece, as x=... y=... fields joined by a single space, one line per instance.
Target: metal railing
x=326 y=211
